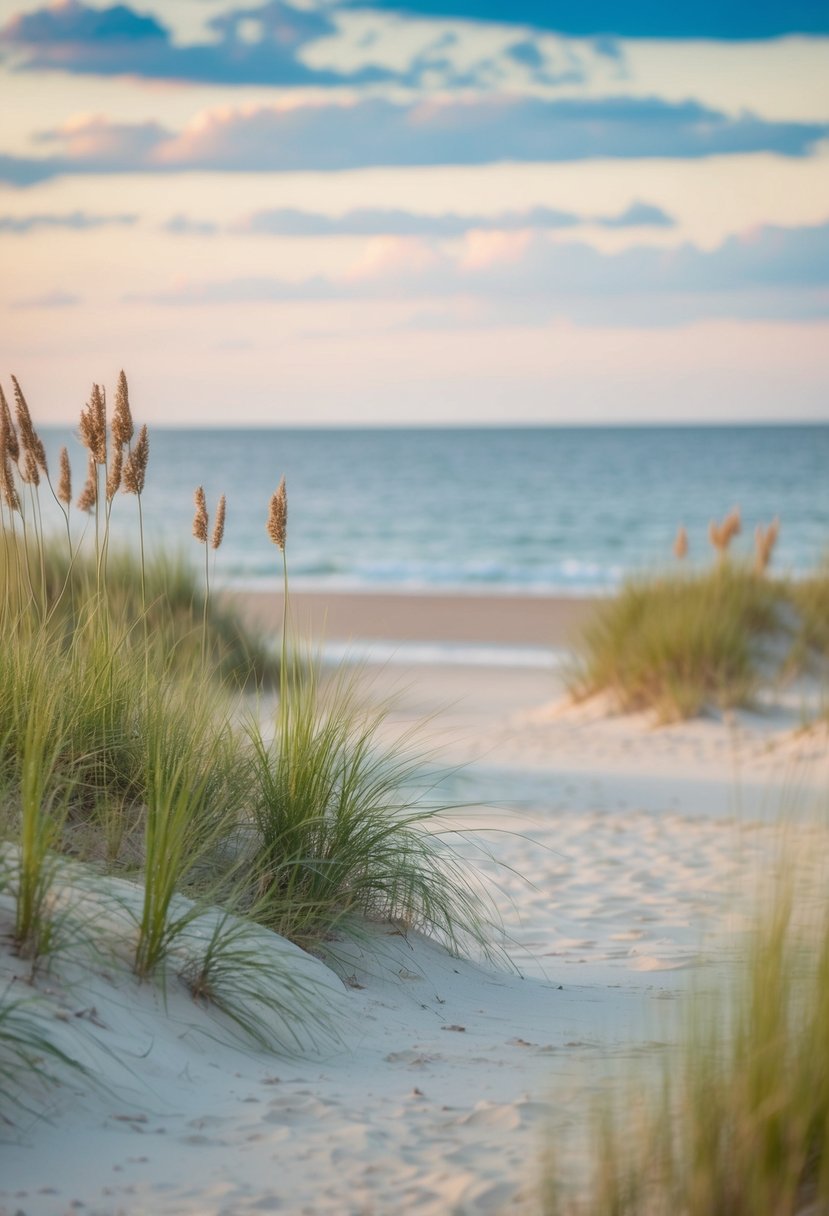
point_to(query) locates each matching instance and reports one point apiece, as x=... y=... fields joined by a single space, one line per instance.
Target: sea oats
x=89 y=494
x=219 y=525
x=200 y=518
x=93 y=426
x=116 y=463
x=29 y=439
x=135 y=469
x=7 y=432
x=722 y=534
x=681 y=544
x=278 y=516
x=122 y=424
x=764 y=541
x=65 y=482
x=30 y=472
x=7 y=486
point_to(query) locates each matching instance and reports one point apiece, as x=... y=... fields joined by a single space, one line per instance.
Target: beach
x=497 y=620
x=624 y=862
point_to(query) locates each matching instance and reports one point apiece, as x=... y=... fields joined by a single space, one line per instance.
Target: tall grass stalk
x=42 y=811
x=742 y=1123
x=187 y=823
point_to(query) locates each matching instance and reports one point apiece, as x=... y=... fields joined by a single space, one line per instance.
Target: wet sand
x=507 y=620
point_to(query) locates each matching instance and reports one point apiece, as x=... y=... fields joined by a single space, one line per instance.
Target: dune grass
x=120 y=683
x=28 y=1053
x=683 y=642
x=742 y=1122
x=342 y=826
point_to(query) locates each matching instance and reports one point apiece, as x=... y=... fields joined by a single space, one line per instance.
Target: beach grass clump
x=193 y=799
x=679 y=643
x=810 y=600
x=162 y=598
x=741 y=1125
x=342 y=828
x=120 y=679
x=42 y=814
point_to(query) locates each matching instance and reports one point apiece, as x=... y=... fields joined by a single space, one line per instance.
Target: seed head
x=93 y=425
x=7 y=486
x=764 y=541
x=116 y=463
x=135 y=469
x=89 y=494
x=200 y=518
x=278 y=516
x=681 y=544
x=30 y=473
x=219 y=525
x=122 y=424
x=722 y=534
x=29 y=439
x=8 y=435
x=65 y=482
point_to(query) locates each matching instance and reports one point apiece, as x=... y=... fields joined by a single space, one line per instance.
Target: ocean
x=533 y=510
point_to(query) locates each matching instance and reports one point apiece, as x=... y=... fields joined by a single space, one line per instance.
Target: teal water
x=535 y=510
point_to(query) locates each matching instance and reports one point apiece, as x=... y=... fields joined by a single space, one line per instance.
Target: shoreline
x=506 y=620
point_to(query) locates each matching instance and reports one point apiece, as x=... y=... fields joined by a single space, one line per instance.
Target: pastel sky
x=403 y=211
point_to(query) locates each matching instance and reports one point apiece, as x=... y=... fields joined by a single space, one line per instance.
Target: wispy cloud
x=77 y=221
x=367 y=221
x=261 y=44
x=50 y=299
x=774 y=272
x=636 y=18
x=377 y=132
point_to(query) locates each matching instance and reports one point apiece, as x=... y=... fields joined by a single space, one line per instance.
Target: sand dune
x=625 y=862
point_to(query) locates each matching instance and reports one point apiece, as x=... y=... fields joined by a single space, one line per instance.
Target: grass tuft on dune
x=683 y=642
x=741 y=1124
x=121 y=749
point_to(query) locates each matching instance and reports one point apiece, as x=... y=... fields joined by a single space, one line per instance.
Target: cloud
x=183 y=225
x=376 y=132
x=117 y=41
x=729 y=20
x=639 y=215
x=771 y=273
x=366 y=221
x=77 y=221
x=52 y=299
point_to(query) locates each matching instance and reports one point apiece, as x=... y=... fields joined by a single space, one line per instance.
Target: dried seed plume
x=219 y=525
x=764 y=541
x=34 y=453
x=65 y=480
x=722 y=534
x=200 y=518
x=122 y=424
x=8 y=435
x=135 y=469
x=114 y=468
x=278 y=516
x=681 y=544
x=89 y=494
x=93 y=425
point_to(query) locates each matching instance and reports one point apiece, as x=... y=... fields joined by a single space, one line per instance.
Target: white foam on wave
x=453 y=654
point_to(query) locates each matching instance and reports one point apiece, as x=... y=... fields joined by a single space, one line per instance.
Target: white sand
x=626 y=859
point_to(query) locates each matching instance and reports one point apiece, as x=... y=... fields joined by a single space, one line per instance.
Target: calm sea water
x=537 y=510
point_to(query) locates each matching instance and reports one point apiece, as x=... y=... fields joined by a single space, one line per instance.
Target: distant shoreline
x=507 y=620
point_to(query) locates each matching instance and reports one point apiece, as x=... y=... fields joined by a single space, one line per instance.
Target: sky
x=386 y=212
